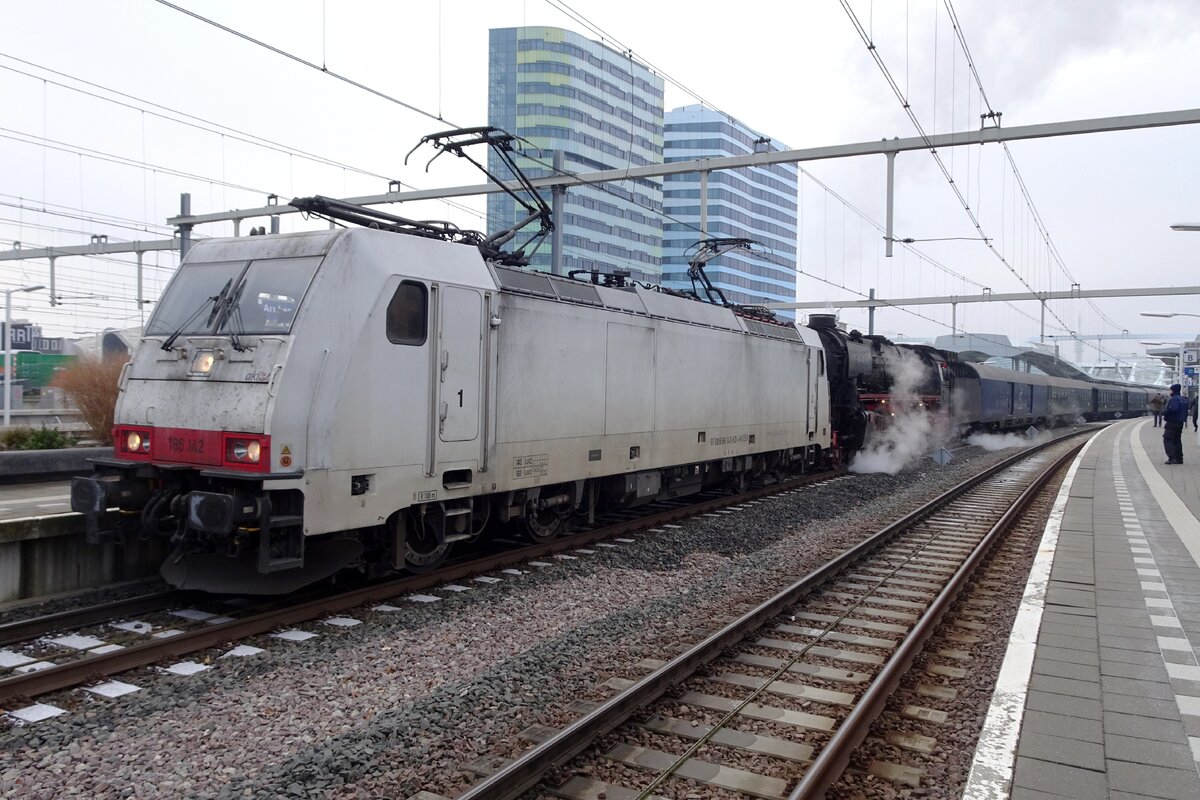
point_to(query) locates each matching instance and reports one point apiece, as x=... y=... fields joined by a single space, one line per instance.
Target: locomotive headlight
x=245 y=451
x=133 y=442
x=202 y=362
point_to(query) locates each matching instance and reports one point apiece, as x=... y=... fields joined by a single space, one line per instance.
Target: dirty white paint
x=194 y=614
x=992 y=768
x=185 y=668
x=1178 y=515
x=243 y=651
x=77 y=642
x=37 y=712
x=1178 y=655
x=113 y=689
x=9 y=659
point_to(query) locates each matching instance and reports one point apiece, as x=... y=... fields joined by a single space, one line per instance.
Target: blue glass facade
x=758 y=203
x=563 y=92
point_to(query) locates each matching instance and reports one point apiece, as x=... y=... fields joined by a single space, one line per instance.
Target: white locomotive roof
x=637 y=300
x=243 y=248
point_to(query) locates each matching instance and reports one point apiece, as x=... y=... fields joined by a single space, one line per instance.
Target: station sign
x=1189 y=371
x=27 y=336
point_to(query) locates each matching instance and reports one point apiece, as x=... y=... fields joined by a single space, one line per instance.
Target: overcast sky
x=797 y=71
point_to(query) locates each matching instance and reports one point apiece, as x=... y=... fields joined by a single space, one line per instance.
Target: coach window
x=407 y=314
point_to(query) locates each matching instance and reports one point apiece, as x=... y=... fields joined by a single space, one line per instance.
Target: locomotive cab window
x=408 y=314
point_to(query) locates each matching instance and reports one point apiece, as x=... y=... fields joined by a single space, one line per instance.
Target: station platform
x=1099 y=695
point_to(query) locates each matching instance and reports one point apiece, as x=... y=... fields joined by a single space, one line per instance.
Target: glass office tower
x=566 y=93
x=755 y=202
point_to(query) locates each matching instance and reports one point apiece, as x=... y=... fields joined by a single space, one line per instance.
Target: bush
x=26 y=438
x=91 y=383
x=17 y=438
x=48 y=439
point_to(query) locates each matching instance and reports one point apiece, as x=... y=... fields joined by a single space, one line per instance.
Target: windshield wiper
x=231 y=314
x=169 y=343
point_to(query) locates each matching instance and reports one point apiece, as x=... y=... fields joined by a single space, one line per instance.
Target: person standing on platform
x=1193 y=408
x=1174 y=418
x=1156 y=406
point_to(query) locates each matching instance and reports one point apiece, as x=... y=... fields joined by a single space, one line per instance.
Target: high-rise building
x=601 y=110
x=757 y=203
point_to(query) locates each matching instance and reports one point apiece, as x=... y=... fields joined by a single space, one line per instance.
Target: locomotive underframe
x=235 y=533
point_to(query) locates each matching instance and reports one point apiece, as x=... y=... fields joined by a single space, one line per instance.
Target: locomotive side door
x=460 y=386
x=810 y=387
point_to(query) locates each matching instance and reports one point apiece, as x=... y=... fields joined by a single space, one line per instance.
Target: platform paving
x=1111 y=708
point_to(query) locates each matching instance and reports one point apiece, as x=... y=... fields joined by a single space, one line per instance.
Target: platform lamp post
x=8 y=354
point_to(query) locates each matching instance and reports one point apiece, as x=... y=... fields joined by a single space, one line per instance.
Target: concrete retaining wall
x=25 y=466
x=48 y=555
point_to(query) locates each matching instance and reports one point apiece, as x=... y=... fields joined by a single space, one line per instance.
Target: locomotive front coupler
x=92 y=496
x=219 y=513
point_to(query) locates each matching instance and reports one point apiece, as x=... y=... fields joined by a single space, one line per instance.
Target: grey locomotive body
x=306 y=402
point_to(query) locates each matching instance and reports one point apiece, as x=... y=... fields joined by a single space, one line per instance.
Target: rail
x=526 y=771
x=77 y=672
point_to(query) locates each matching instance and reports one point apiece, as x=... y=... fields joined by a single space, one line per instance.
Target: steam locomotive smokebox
x=822 y=321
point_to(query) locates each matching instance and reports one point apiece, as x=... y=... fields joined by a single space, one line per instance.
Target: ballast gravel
x=405 y=701
x=70 y=601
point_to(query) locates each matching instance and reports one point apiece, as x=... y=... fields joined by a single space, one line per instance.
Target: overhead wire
x=319 y=68
x=100 y=155
x=1043 y=231
x=911 y=114
x=607 y=36
x=111 y=223
x=183 y=118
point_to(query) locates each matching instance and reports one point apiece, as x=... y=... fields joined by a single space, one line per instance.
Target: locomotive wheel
x=422 y=553
x=542 y=526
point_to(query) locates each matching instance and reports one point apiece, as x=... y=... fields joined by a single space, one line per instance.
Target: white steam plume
x=911 y=432
x=1002 y=441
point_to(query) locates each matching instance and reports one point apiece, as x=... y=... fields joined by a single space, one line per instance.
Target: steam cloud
x=997 y=441
x=911 y=433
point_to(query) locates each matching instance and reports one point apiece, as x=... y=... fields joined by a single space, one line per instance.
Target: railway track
x=210 y=629
x=26 y=629
x=775 y=704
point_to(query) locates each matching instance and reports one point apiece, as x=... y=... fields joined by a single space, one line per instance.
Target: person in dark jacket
x=1156 y=407
x=1193 y=408
x=1174 y=418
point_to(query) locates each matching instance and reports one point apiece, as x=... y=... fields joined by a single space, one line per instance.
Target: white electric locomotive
x=308 y=402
